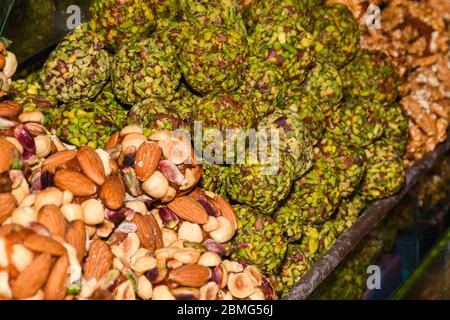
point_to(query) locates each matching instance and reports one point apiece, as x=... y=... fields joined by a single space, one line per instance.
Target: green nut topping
x=348 y=212
x=154 y=114
x=385 y=174
x=214 y=59
x=357 y=123
x=397 y=131
x=259 y=10
x=326 y=84
x=78 y=67
x=144 y=69
x=336 y=34
x=371 y=75
x=295 y=265
x=317 y=239
x=286 y=44
x=259 y=240
x=262 y=185
x=294 y=137
x=87 y=123
x=264 y=85
x=167 y=9
x=214 y=178
x=314 y=199
x=117 y=21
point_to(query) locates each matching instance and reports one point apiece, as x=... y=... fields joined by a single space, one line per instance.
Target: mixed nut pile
x=97 y=179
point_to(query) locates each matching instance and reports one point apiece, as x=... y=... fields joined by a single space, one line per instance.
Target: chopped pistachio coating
x=184 y=102
x=294 y=266
x=223 y=117
x=348 y=212
x=30 y=93
x=259 y=240
x=167 y=9
x=214 y=177
x=306 y=105
x=154 y=114
x=371 y=75
x=144 y=69
x=385 y=174
x=172 y=32
x=214 y=59
x=286 y=44
x=78 y=67
x=324 y=81
x=357 y=123
x=314 y=199
x=349 y=164
x=294 y=138
x=117 y=21
x=317 y=239
x=262 y=185
x=259 y=10
x=397 y=131
x=264 y=84
x=336 y=34
x=87 y=123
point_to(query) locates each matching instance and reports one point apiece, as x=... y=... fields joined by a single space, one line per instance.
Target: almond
x=91 y=165
x=57 y=280
x=189 y=209
x=7 y=205
x=6 y=155
x=147 y=159
x=191 y=275
x=226 y=209
x=99 y=260
x=76 y=237
x=40 y=243
x=59 y=158
x=51 y=217
x=113 y=141
x=10 y=109
x=148 y=232
x=112 y=193
x=33 y=277
x=75 y=182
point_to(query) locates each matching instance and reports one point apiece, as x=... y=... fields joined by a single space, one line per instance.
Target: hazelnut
x=209 y=259
x=225 y=232
x=156 y=186
x=240 y=285
x=93 y=212
x=190 y=232
x=72 y=212
x=145 y=288
x=51 y=195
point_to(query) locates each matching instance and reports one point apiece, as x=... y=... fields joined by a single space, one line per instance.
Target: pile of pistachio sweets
x=294 y=66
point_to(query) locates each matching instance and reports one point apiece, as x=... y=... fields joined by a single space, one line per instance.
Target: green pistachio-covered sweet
x=264 y=84
x=144 y=69
x=259 y=10
x=317 y=239
x=87 y=123
x=172 y=32
x=220 y=120
x=286 y=44
x=184 y=102
x=348 y=212
x=349 y=164
x=357 y=123
x=154 y=113
x=385 y=174
x=204 y=13
x=314 y=199
x=306 y=105
x=117 y=21
x=371 y=75
x=214 y=177
x=397 y=130
x=324 y=81
x=294 y=138
x=262 y=185
x=259 y=240
x=30 y=93
x=78 y=67
x=167 y=9
x=295 y=265
x=214 y=59
x=336 y=34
